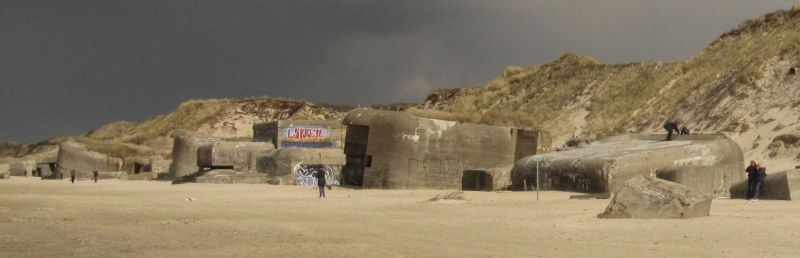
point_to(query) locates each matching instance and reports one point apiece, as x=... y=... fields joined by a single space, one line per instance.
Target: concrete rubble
x=708 y=163
x=652 y=198
x=784 y=185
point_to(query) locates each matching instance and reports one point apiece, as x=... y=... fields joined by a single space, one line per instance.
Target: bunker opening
x=356 y=156
x=476 y=180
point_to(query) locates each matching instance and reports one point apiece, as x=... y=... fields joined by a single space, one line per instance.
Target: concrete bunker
x=708 y=163
x=395 y=150
x=23 y=168
x=46 y=165
x=238 y=156
x=184 y=151
x=300 y=133
x=5 y=172
x=75 y=156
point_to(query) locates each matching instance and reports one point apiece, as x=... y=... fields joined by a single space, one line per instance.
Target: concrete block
x=784 y=185
x=184 y=151
x=239 y=156
x=75 y=156
x=5 y=171
x=653 y=198
x=709 y=162
x=395 y=150
x=23 y=168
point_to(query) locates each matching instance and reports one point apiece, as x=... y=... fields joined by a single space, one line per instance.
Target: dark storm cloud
x=67 y=67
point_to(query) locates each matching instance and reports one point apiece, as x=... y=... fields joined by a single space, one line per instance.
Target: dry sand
x=155 y=219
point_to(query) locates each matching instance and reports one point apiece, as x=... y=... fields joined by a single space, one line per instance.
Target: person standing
x=671 y=126
x=322 y=177
x=72 y=175
x=96 y=175
x=752 y=176
x=762 y=173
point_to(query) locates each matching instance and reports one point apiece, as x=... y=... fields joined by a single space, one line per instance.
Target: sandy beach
x=45 y=218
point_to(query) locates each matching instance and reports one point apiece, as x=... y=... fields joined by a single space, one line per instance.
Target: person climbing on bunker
x=322 y=177
x=671 y=126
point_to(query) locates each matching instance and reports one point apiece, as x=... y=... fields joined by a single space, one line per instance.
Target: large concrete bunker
x=396 y=150
x=75 y=156
x=707 y=163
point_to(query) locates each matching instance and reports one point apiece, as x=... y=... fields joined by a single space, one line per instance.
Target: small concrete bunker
x=23 y=168
x=75 y=156
x=707 y=163
x=300 y=133
x=238 y=156
x=46 y=165
x=395 y=150
x=184 y=151
x=784 y=185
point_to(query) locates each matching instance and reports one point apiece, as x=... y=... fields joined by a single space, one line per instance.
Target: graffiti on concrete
x=306 y=137
x=306 y=174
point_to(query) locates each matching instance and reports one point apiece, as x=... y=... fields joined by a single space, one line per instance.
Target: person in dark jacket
x=762 y=173
x=72 y=175
x=672 y=126
x=96 y=175
x=752 y=176
x=322 y=177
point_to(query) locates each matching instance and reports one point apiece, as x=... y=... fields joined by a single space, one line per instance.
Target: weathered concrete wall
x=784 y=185
x=5 y=171
x=301 y=133
x=709 y=162
x=160 y=166
x=184 y=151
x=240 y=156
x=136 y=165
x=23 y=168
x=46 y=165
x=396 y=150
x=295 y=166
x=73 y=155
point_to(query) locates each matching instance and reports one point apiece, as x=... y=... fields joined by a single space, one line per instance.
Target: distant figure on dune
x=72 y=175
x=671 y=126
x=96 y=175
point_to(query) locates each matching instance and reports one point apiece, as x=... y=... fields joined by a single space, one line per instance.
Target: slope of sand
x=155 y=219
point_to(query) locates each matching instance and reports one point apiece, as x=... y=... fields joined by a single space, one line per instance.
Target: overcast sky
x=67 y=67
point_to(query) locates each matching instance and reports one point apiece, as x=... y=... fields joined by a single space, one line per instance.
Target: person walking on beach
x=322 y=177
x=72 y=175
x=752 y=176
x=96 y=175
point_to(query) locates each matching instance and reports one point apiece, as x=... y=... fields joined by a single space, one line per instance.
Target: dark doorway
x=355 y=150
x=476 y=180
x=137 y=167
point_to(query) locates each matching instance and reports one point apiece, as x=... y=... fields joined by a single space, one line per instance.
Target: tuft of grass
x=454 y=195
